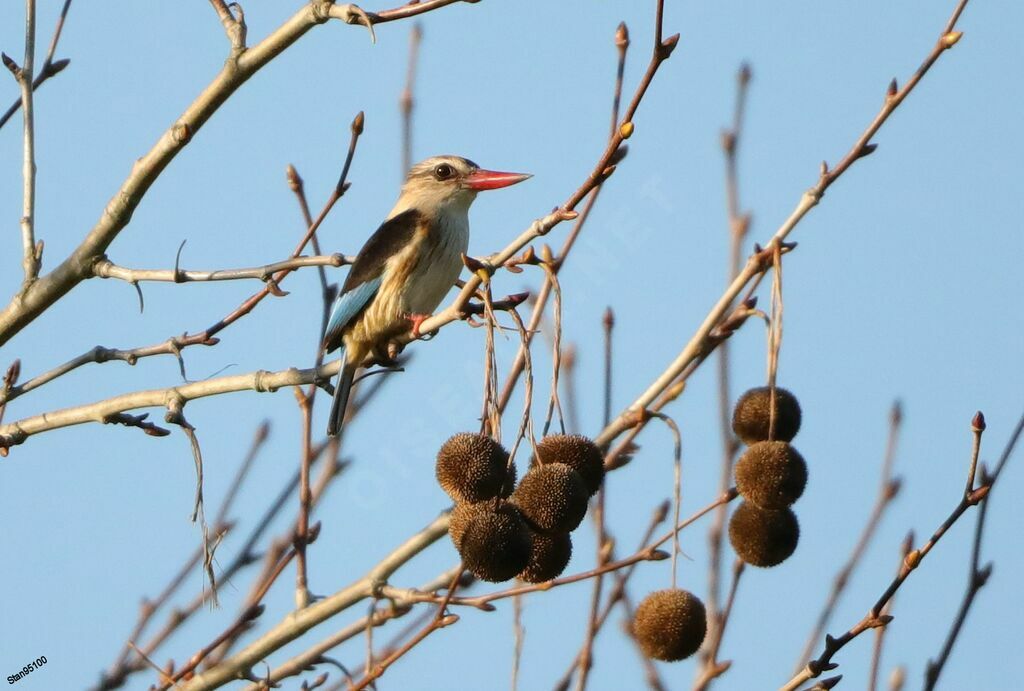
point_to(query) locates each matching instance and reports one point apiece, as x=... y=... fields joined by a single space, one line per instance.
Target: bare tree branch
x=104 y=268
x=46 y=290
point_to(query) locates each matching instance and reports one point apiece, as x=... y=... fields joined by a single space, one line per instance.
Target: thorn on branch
x=353 y=14
x=179 y=276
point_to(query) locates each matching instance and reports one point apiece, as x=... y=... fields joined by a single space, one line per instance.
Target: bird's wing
x=389 y=239
x=367 y=273
x=346 y=307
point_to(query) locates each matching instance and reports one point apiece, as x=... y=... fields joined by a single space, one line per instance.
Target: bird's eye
x=443 y=171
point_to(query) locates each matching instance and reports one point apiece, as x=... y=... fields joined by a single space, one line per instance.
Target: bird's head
x=451 y=182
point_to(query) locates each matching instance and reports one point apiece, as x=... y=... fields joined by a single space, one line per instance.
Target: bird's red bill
x=480 y=180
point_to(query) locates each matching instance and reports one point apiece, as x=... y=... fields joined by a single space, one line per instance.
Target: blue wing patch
x=347 y=306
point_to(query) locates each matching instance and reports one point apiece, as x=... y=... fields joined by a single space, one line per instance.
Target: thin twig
x=604 y=546
x=876 y=650
x=874 y=618
x=24 y=76
x=617 y=593
x=49 y=68
x=406 y=101
x=699 y=344
x=888 y=488
x=978 y=575
x=739 y=225
x=622 y=47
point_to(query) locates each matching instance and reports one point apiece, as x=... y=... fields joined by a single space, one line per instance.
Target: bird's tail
x=341 y=392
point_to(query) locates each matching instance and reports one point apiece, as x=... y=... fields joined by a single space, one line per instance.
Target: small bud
x=891 y=91
x=978 y=423
x=744 y=74
x=294 y=181
x=626 y=130
x=824 y=168
x=669 y=45
x=609 y=318
x=912 y=559
x=662 y=511
x=518 y=298
x=728 y=140
x=908 y=543
x=13 y=372
x=622 y=36
x=897 y=678
x=57 y=66
x=607 y=172
x=10 y=64
x=950 y=39
x=619 y=154
x=978 y=494
x=867 y=150
x=357 y=124
x=262 y=432
x=896 y=414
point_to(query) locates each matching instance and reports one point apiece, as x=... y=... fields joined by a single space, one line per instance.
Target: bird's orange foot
x=417 y=320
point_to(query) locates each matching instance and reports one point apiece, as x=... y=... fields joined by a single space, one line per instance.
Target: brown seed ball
x=494 y=542
x=577 y=452
x=750 y=418
x=474 y=467
x=763 y=538
x=460 y=517
x=548 y=557
x=670 y=624
x=771 y=474
x=552 y=498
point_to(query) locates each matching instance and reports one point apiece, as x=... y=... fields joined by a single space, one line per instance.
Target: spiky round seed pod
x=763 y=538
x=474 y=467
x=460 y=517
x=493 y=541
x=577 y=452
x=552 y=498
x=670 y=624
x=750 y=417
x=549 y=556
x=771 y=474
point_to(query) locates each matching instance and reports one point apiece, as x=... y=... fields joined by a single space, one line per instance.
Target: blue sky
x=904 y=285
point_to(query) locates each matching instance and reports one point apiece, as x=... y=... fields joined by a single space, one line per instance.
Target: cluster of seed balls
x=671 y=624
x=770 y=476
x=502 y=530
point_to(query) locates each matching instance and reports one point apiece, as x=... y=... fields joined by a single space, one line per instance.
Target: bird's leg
x=417 y=320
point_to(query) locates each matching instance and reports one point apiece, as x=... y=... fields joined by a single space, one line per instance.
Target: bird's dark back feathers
x=392 y=235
